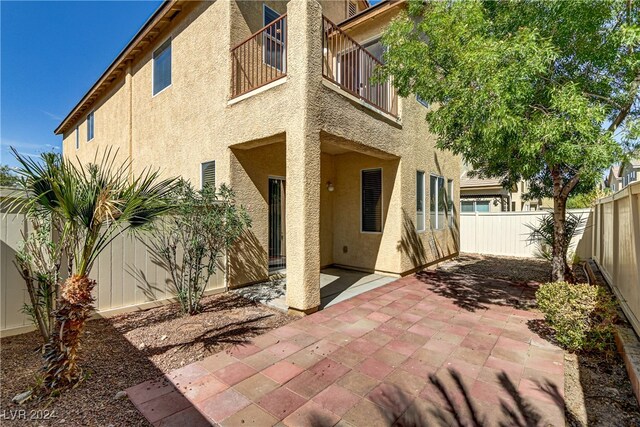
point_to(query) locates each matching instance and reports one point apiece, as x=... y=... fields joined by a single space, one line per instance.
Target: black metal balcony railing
x=352 y=67
x=260 y=59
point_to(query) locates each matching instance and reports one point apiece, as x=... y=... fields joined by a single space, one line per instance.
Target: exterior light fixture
x=330 y=186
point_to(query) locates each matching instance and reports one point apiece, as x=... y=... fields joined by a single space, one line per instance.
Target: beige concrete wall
x=194 y=121
x=328 y=174
x=111 y=127
x=351 y=246
x=616 y=247
x=478 y=233
x=128 y=274
x=251 y=169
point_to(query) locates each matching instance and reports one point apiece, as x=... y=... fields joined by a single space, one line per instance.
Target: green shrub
x=581 y=315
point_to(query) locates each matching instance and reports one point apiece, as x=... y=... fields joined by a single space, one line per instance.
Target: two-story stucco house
x=276 y=99
x=629 y=171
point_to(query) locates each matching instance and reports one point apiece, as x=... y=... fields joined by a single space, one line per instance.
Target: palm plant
x=543 y=235
x=93 y=204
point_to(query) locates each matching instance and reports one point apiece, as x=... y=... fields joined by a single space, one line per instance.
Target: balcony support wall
x=303 y=157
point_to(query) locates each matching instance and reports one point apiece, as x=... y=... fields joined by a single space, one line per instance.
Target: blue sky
x=50 y=54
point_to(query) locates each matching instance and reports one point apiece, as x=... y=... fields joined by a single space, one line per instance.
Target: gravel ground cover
x=126 y=350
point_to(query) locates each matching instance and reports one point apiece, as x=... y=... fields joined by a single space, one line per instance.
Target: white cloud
x=52 y=116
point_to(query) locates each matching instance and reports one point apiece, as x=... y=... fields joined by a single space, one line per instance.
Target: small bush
x=581 y=315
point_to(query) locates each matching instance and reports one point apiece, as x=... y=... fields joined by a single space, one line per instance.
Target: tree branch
x=624 y=112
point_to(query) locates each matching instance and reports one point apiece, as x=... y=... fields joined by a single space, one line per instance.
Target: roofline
x=127 y=53
x=373 y=10
x=476 y=187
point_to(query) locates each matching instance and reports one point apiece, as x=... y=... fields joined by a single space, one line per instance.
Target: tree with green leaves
x=190 y=243
x=93 y=204
x=7 y=177
x=533 y=90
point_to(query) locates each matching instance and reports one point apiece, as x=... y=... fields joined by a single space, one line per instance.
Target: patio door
x=277 y=230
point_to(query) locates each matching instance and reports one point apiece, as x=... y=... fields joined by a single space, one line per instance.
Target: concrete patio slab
x=435 y=347
x=336 y=285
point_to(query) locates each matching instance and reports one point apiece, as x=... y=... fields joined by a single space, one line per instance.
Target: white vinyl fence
x=507 y=234
x=616 y=247
x=128 y=277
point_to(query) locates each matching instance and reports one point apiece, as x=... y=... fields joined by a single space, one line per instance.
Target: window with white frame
x=162 y=67
x=208 y=174
x=90 y=125
x=371 y=200
x=274 y=37
x=474 y=206
x=437 y=202
x=420 y=201
x=450 y=201
x=77 y=137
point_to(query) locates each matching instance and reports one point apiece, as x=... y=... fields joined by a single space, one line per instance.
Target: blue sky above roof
x=51 y=54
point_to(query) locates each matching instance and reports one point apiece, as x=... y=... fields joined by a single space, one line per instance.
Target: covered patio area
x=336 y=285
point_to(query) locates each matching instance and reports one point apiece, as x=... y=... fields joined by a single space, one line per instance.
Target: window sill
x=153 y=95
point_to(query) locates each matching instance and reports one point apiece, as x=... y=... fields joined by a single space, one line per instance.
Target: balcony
x=261 y=59
x=352 y=67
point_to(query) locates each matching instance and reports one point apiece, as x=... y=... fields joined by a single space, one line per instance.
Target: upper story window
x=162 y=67
x=90 y=125
x=371 y=200
x=274 y=38
x=77 y=137
x=208 y=174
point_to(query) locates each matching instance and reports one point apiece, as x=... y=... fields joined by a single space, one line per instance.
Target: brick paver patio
x=435 y=348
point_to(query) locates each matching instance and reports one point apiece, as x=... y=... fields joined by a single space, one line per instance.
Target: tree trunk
x=560 y=269
x=61 y=352
x=559 y=264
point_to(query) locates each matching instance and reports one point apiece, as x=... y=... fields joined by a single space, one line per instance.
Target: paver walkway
x=437 y=348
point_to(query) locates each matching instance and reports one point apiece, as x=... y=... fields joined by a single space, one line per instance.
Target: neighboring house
x=278 y=102
x=613 y=181
x=488 y=195
x=629 y=172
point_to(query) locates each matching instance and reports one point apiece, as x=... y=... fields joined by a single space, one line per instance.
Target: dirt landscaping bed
x=124 y=351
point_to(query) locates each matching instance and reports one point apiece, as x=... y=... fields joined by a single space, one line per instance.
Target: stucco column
x=304 y=74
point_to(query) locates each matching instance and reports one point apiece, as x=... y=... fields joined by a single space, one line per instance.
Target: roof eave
x=129 y=52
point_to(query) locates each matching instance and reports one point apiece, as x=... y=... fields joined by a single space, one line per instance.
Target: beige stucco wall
x=279 y=131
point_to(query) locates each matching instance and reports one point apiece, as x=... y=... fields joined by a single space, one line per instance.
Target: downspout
x=129 y=84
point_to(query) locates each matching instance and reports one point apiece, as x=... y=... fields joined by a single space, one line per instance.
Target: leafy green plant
x=587 y=200
x=191 y=242
x=7 y=177
x=525 y=90
x=582 y=315
x=38 y=260
x=93 y=205
x=543 y=235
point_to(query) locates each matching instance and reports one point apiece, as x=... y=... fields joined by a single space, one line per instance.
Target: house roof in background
x=615 y=170
x=634 y=163
x=474 y=182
